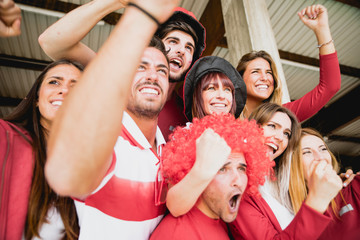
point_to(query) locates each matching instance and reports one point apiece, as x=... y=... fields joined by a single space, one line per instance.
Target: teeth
x=219 y=105
x=176 y=62
x=273 y=146
x=57 y=103
x=149 y=90
x=262 y=87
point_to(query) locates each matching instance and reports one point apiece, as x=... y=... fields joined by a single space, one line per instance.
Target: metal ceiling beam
x=9 y=102
x=22 y=62
x=346 y=70
x=338 y=114
x=66 y=7
x=344 y=139
x=353 y=3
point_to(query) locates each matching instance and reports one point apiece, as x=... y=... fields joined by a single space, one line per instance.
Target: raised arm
x=87 y=125
x=316 y=18
x=10 y=18
x=62 y=39
x=211 y=154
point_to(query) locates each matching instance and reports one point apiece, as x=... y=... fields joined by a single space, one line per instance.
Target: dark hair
x=156 y=42
x=177 y=25
x=276 y=95
x=42 y=197
x=198 y=108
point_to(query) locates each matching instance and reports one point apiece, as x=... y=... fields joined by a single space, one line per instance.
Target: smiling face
x=150 y=86
x=259 y=80
x=277 y=132
x=221 y=198
x=313 y=149
x=181 y=49
x=54 y=88
x=217 y=98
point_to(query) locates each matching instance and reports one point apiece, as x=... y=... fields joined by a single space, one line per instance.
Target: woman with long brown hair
x=274 y=211
x=263 y=85
x=30 y=209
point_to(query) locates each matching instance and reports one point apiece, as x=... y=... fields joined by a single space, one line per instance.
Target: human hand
x=323 y=184
x=10 y=19
x=314 y=17
x=211 y=153
x=160 y=9
x=348 y=176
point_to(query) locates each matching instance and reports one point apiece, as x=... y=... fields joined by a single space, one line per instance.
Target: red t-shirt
x=192 y=226
x=347 y=225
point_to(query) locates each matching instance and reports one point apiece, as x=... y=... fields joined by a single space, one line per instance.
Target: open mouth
x=234 y=202
x=262 y=87
x=147 y=90
x=273 y=146
x=175 y=63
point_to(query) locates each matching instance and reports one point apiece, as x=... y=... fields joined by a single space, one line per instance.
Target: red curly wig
x=242 y=136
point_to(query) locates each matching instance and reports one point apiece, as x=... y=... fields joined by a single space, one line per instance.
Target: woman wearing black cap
x=213 y=86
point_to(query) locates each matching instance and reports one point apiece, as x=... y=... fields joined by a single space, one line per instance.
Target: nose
x=151 y=74
x=318 y=156
x=180 y=49
x=64 y=89
x=279 y=135
x=264 y=76
x=236 y=179
x=220 y=93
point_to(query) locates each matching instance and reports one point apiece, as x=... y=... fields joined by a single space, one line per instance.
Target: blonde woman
x=345 y=207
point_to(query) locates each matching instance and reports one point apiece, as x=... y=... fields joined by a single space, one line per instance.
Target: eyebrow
x=160 y=65
x=177 y=39
x=277 y=124
x=257 y=68
x=243 y=164
x=171 y=37
x=60 y=78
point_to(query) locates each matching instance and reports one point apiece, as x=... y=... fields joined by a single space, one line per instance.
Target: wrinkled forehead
x=155 y=57
x=236 y=158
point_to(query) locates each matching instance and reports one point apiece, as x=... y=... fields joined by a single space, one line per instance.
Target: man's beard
x=178 y=78
x=144 y=112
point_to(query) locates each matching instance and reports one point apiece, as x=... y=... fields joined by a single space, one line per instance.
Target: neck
x=250 y=106
x=171 y=90
x=204 y=208
x=147 y=126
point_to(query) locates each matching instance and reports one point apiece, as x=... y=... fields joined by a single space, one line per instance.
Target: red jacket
x=256 y=220
x=17 y=160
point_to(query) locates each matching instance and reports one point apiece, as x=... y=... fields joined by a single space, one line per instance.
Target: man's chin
x=176 y=78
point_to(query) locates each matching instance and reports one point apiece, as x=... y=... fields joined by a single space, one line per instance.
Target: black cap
x=213 y=64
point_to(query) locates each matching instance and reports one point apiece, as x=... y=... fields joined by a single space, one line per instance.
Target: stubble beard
x=141 y=111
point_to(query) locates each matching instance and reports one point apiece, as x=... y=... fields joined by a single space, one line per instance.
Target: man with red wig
x=238 y=148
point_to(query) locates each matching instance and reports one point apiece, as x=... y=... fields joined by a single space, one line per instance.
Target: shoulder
x=11 y=127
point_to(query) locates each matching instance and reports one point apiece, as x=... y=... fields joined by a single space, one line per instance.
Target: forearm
x=88 y=123
x=182 y=196
x=62 y=39
x=323 y=35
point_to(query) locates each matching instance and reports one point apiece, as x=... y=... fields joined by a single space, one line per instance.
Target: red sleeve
x=329 y=85
x=255 y=220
